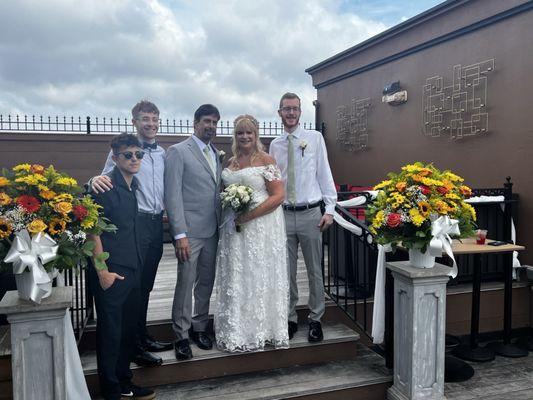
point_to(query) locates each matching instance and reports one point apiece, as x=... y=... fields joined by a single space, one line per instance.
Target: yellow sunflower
x=56 y=226
x=5 y=228
x=424 y=208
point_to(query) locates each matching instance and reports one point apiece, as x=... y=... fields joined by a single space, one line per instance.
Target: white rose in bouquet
x=237 y=198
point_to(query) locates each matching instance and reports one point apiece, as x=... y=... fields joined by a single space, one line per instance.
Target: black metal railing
x=496 y=218
x=349 y=266
x=82 y=310
x=350 y=260
x=91 y=125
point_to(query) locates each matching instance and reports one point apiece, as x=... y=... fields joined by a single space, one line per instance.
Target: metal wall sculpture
x=460 y=109
x=352 y=133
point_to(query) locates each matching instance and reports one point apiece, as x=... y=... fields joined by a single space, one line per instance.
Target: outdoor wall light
x=393 y=94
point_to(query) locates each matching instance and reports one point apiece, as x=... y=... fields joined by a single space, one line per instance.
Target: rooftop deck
x=503 y=378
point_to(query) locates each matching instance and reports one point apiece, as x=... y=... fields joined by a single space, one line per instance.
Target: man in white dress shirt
x=302 y=157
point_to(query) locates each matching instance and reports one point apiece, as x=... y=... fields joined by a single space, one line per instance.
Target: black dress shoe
x=183 y=349
x=150 y=344
x=293 y=328
x=315 y=332
x=146 y=359
x=202 y=340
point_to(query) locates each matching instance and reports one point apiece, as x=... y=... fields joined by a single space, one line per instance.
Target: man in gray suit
x=192 y=202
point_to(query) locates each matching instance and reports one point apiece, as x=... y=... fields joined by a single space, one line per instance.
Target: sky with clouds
x=99 y=57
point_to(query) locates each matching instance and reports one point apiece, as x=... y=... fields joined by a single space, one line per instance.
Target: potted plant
x=44 y=223
x=415 y=203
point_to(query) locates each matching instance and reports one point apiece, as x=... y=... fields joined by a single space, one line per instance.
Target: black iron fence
x=92 y=125
x=82 y=310
x=350 y=260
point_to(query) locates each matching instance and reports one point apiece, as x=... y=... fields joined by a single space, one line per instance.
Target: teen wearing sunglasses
x=116 y=284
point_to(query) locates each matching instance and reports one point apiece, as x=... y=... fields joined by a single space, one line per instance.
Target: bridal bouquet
x=409 y=203
x=44 y=220
x=236 y=198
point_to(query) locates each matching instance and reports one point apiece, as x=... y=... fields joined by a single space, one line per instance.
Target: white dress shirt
x=314 y=181
x=202 y=146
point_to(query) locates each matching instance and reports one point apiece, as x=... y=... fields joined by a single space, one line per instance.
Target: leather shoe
x=293 y=328
x=146 y=359
x=150 y=344
x=183 y=349
x=202 y=340
x=315 y=332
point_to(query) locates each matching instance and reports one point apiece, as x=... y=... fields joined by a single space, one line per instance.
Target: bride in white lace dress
x=252 y=285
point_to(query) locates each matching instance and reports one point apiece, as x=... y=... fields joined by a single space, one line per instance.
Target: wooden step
x=364 y=378
x=339 y=344
x=162 y=329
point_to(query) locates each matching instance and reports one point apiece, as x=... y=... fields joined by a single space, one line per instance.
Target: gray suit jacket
x=192 y=193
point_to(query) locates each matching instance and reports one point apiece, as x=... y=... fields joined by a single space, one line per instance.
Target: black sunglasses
x=128 y=155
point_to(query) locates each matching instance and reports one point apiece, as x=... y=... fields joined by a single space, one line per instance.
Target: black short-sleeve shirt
x=120 y=207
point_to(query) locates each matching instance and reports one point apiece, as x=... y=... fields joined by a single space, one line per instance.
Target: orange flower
x=400 y=186
x=47 y=194
x=4 y=199
x=465 y=191
x=425 y=172
x=417 y=177
x=3 y=181
x=37 y=169
x=63 y=207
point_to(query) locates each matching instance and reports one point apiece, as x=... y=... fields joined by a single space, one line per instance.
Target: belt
x=150 y=215
x=300 y=208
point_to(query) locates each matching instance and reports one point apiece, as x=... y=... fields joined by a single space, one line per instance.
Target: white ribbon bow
x=441 y=229
x=33 y=253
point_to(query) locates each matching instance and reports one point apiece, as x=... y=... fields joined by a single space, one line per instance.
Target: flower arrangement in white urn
x=44 y=222
x=418 y=205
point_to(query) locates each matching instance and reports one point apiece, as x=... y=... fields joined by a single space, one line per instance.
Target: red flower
x=28 y=203
x=80 y=212
x=393 y=220
x=425 y=190
x=442 y=190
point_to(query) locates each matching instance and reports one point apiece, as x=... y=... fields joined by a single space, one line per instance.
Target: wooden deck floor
x=501 y=379
x=160 y=306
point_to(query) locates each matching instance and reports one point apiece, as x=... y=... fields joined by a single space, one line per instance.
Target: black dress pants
x=150 y=233
x=117 y=311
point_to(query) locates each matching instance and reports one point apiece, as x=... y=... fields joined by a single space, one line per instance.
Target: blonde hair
x=243 y=123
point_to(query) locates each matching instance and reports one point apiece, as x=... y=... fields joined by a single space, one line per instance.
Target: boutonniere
x=221 y=155
x=303 y=146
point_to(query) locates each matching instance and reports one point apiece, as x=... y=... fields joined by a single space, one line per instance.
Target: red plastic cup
x=481 y=236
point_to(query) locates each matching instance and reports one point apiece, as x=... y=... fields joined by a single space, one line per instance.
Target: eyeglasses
x=289 y=109
x=128 y=155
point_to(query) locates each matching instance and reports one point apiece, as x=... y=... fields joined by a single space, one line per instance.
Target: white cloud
x=99 y=57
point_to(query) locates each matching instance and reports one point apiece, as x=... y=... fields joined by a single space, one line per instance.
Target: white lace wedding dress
x=252 y=285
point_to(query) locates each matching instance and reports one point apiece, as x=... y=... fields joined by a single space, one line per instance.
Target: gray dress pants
x=197 y=277
x=302 y=228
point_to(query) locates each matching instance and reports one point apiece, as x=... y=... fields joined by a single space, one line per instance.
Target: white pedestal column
x=38 y=344
x=419 y=331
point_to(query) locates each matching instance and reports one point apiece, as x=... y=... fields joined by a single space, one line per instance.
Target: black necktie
x=152 y=146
